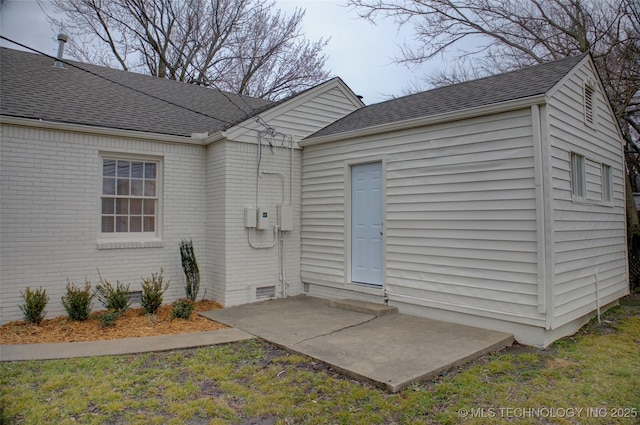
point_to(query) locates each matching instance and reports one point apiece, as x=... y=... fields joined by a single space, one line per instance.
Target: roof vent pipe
x=62 y=38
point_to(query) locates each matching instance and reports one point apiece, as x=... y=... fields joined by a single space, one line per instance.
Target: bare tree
x=272 y=57
x=510 y=34
x=241 y=46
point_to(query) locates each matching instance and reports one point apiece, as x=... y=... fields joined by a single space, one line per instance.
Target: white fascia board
x=430 y=120
x=214 y=138
x=102 y=131
x=357 y=100
x=569 y=75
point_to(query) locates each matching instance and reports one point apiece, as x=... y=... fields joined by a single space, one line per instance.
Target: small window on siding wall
x=578 y=176
x=129 y=196
x=590 y=104
x=607 y=183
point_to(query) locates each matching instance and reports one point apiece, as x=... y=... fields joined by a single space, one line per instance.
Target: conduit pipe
x=278 y=235
x=291 y=173
x=597 y=280
x=283 y=235
x=271 y=245
x=271 y=173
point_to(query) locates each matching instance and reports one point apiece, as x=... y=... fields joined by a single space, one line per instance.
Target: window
x=607 y=183
x=129 y=199
x=578 y=177
x=591 y=181
x=589 y=103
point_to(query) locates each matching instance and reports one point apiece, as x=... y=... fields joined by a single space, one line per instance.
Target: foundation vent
x=266 y=292
x=135 y=297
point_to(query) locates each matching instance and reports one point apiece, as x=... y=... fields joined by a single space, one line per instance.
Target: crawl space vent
x=266 y=292
x=135 y=297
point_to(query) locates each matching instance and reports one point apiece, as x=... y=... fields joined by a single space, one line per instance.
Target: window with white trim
x=578 y=176
x=129 y=196
x=607 y=183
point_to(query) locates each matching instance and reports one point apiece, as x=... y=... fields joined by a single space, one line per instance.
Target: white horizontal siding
x=302 y=115
x=332 y=292
x=460 y=213
x=593 y=175
x=316 y=113
x=589 y=235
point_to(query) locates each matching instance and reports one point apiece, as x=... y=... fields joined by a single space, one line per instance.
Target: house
x=109 y=170
x=497 y=202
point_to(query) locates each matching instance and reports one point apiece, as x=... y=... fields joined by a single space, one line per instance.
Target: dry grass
x=132 y=323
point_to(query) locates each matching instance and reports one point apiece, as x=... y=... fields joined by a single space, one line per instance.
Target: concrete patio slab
x=289 y=321
x=390 y=351
x=396 y=350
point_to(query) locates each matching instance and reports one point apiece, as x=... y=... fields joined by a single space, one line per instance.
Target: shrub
x=182 y=308
x=34 y=304
x=109 y=319
x=113 y=298
x=77 y=301
x=152 y=292
x=190 y=268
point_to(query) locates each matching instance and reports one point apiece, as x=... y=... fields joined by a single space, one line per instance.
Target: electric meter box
x=285 y=217
x=263 y=219
x=250 y=216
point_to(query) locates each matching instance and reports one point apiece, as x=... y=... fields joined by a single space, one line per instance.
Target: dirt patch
x=132 y=323
x=559 y=363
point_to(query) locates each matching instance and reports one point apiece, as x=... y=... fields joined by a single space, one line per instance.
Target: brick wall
x=49 y=214
x=50 y=217
x=243 y=268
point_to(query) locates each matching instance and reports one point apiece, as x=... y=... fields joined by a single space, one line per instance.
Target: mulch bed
x=132 y=323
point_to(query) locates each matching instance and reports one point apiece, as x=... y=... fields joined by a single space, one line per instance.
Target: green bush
x=77 y=301
x=34 y=304
x=190 y=268
x=109 y=319
x=182 y=308
x=114 y=298
x=152 y=292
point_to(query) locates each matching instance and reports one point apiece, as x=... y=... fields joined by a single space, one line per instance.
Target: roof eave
x=103 y=131
x=429 y=120
x=215 y=137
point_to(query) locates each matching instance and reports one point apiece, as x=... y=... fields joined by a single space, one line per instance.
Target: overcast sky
x=359 y=52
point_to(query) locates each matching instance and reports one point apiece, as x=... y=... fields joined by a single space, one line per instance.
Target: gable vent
x=266 y=292
x=588 y=104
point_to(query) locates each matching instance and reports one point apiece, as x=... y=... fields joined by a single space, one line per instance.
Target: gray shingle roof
x=523 y=83
x=30 y=87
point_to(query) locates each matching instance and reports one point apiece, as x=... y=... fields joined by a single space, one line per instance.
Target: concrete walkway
x=366 y=341
x=66 y=350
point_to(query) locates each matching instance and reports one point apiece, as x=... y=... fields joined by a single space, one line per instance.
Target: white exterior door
x=366 y=223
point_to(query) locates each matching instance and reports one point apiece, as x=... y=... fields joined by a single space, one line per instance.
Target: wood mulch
x=132 y=323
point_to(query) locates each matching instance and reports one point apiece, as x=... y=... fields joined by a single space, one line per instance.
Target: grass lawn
x=590 y=378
